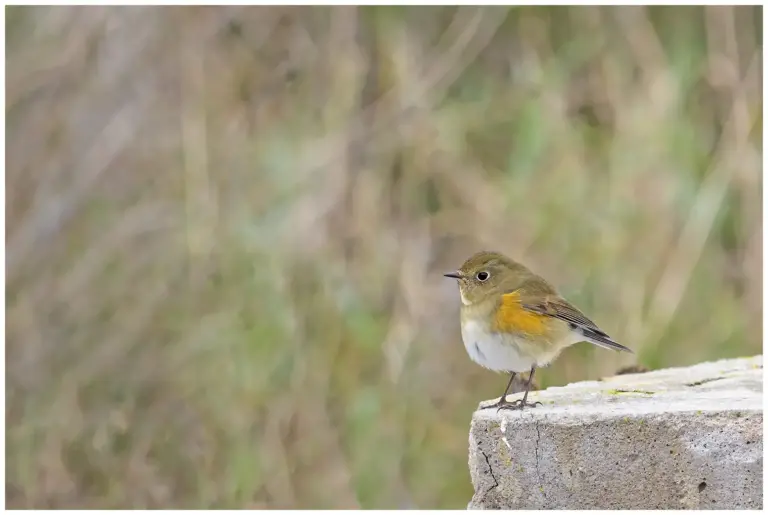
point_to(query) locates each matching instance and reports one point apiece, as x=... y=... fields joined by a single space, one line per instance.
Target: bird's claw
x=512 y=405
x=519 y=404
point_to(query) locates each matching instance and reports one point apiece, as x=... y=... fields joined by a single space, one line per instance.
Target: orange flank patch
x=512 y=318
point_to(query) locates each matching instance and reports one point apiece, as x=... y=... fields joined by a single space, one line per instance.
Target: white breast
x=493 y=350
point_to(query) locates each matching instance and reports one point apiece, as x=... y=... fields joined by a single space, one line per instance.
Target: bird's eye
x=482 y=276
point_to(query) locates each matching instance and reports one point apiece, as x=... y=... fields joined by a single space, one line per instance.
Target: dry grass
x=226 y=229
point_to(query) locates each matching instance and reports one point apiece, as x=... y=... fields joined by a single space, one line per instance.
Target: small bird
x=513 y=321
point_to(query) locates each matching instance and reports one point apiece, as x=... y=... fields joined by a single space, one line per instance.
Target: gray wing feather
x=557 y=307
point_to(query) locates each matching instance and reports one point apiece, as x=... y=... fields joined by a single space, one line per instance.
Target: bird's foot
x=519 y=404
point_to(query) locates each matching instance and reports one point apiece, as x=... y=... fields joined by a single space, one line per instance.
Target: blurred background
x=226 y=230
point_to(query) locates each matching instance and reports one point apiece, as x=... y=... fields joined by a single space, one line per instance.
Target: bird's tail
x=599 y=338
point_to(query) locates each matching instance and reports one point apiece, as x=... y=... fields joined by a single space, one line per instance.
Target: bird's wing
x=554 y=306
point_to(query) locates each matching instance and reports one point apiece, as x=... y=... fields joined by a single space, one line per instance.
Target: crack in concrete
x=704 y=381
x=490 y=470
x=536 y=449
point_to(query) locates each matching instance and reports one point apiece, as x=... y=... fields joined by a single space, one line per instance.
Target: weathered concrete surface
x=676 y=438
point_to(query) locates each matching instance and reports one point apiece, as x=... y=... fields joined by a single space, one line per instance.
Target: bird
x=514 y=321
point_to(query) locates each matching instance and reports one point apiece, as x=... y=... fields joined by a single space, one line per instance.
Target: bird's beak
x=453 y=275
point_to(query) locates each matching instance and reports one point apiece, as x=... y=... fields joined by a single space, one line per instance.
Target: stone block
x=679 y=438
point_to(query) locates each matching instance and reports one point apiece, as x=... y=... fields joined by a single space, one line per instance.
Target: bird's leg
x=503 y=401
x=521 y=403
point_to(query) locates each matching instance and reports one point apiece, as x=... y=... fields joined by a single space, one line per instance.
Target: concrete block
x=679 y=438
